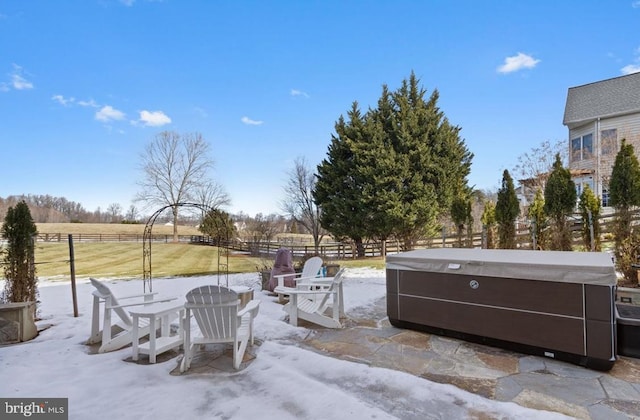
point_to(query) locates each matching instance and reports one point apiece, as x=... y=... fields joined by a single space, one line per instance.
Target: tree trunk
x=175 y=223
x=360 y=248
x=316 y=244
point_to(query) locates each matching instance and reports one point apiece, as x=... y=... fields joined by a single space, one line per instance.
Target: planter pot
x=332 y=269
x=16 y=322
x=265 y=276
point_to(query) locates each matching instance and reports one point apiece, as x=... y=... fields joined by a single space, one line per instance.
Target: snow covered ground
x=284 y=381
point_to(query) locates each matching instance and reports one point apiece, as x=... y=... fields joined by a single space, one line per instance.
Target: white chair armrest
x=106 y=295
x=280 y=278
x=291 y=291
x=313 y=279
x=284 y=290
x=252 y=307
x=148 y=302
x=315 y=283
x=137 y=296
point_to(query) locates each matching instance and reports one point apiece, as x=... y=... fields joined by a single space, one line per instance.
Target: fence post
x=72 y=265
x=593 y=244
x=483 y=237
x=533 y=235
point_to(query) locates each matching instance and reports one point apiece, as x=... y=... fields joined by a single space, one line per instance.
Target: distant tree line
x=50 y=209
x=258 y=228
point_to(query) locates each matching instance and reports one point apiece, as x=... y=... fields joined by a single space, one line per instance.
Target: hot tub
x=549 y=303
x=628 y=320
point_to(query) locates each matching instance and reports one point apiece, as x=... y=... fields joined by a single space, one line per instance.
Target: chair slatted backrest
x=215 y=309
x=110 y=300
x=311 y=267
x=335 y=284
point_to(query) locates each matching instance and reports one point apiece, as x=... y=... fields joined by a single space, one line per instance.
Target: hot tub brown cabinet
x=548 y=303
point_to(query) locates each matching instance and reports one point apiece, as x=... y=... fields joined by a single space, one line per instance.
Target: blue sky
x=86 y=84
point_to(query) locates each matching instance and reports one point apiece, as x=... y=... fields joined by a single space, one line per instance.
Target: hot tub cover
x=559 y=266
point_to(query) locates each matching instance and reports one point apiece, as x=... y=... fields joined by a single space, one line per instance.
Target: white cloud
x=108 y=113
x=154 y=118
x=18 y=82
x=635 y=66
x=636 y=4
x=296 y=92
x=518 y=62
x=631 y=68
x=62 y=100
x=90 y=103
x=249 y=121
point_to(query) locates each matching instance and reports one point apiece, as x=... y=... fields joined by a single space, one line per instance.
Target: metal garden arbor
x=223 y=250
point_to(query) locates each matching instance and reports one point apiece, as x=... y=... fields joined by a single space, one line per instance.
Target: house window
x=605 y=197
x=582 y=148
x=609 y=141
x=581 y=183
x=576 y=147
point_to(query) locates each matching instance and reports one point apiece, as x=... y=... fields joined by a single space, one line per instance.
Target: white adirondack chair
x=215 y=309
x=103 y=295
x=310 y=270
x=311 y=300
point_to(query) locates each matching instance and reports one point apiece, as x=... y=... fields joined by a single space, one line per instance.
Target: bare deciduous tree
x=212 y=195
x=534 y=166
x=174 y=167
x=115 y=212
x=132 y=214
x=264 y=228
x=298 y=202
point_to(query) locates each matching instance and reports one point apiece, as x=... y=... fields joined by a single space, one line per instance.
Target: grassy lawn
x=124 y=259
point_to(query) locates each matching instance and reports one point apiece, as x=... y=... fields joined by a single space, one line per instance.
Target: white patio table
x=157 y=313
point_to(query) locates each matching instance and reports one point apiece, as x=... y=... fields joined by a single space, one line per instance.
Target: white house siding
x=627 y=126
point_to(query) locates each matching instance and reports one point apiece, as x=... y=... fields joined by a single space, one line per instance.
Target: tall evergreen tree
x=338 y=190
x=219 y=225
x=507 y=210
x=434 y=147
x=624 y=186
x=406 y=161
x=538 y=219
x=381 y=168
x=624 y=194
x=461 y=216
x=488 y=219
x=590 y=212
x=559 y=202
x=19 y=230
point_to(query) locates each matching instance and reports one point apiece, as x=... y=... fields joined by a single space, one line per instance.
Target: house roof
x=607 y=98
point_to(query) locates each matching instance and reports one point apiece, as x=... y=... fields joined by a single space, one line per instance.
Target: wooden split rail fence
x=338 y=250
